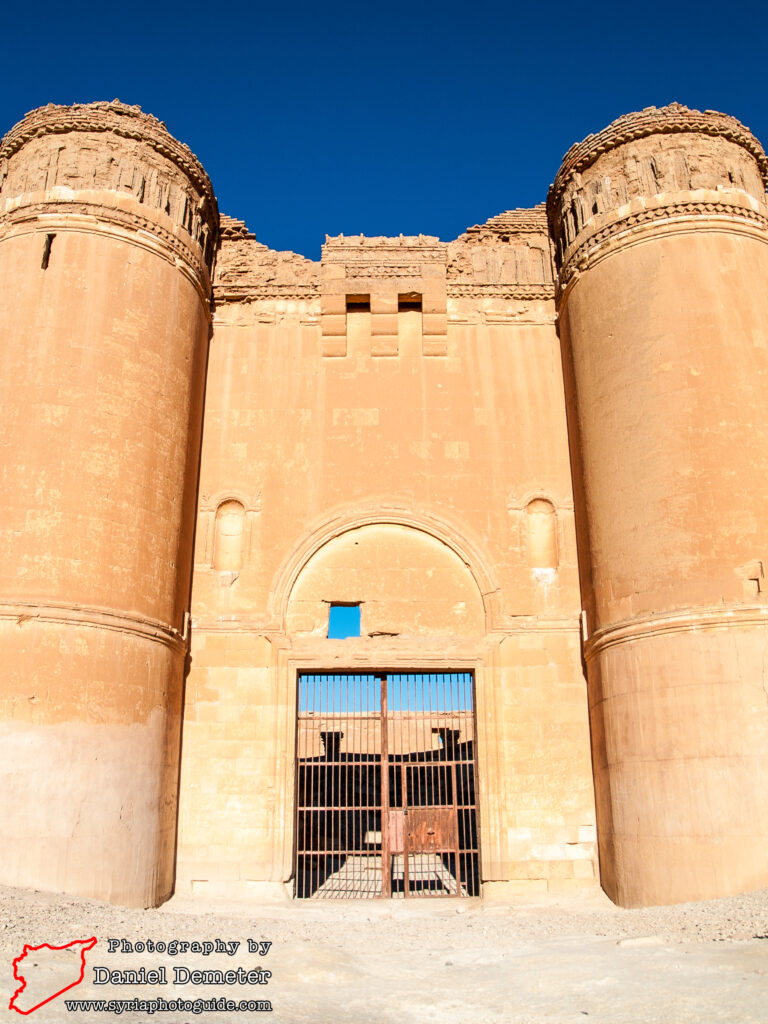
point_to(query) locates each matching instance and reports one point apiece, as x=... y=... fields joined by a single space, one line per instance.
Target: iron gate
x=385 y=786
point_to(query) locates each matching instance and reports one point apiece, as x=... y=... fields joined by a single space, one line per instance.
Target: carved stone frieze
x=650 y=154
x=247 y=271
x=509 y=251
x=371 y=262
x=674 y=119
x=109 y=148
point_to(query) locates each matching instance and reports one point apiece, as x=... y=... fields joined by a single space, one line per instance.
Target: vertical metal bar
x=437 y=779
x=347 y=872
x=473 y=859
x=306 y=832
x=354 y=810
x=409 y=773
x=339 y=842
x=434 y=723
x=327 y=780
x=404 y=769
x=439 y=772
x=313 y=859
x=457 y=855
x=386 y=865
x=299 y=801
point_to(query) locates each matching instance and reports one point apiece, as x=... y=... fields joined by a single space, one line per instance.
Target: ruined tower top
x=672 y=119
x=109 y=147
x=697 y=158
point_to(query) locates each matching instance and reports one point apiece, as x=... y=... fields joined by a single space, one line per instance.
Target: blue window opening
x=343 y=621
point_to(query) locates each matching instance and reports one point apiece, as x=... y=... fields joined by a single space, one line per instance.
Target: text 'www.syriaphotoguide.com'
x=160 y=1005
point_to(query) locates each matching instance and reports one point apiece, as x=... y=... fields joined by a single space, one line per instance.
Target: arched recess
x=463 y=546
x=441 y=641
x=229 y=536
x=541 y=521
x=407 y=585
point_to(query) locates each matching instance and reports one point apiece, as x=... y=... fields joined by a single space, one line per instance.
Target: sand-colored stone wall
x=405 y=460
x=427 y=429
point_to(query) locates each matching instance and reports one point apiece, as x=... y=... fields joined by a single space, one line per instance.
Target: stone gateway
x=430 y=568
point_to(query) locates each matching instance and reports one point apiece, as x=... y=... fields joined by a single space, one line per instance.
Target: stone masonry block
x=385 y=345
x=334 y=324
x=384 y=323
x=331 y=304
x=434 y=323
x=335 y=346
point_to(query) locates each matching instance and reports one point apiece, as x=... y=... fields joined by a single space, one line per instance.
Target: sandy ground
x=417 y=962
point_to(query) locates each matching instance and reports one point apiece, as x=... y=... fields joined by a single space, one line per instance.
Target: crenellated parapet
x=668 y=164
x=117 y=167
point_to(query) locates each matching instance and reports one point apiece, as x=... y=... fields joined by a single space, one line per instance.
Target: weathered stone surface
x=107 y=231
x=660 y=223
x=424 y=427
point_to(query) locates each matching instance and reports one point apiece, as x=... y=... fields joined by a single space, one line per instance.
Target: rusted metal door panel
x=385 y=794
x=431 y=829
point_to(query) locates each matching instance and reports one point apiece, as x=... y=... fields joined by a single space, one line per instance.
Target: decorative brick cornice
x=668 y=120
x=531 y=220
x=527 y=292
x=232 y=229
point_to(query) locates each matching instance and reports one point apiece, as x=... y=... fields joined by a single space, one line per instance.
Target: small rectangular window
x=343 y=621
x=410 y=302
x=358 y=303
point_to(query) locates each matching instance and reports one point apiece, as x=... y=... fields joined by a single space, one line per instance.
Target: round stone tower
x=661 y=232
x=107 y=231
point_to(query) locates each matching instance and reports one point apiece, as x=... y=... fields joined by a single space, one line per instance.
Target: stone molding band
x=259 y=627
x=686 y=620
x=142 y=627
x=225 y=293
x=513 y=290
x=623 y=230
x=89 y=217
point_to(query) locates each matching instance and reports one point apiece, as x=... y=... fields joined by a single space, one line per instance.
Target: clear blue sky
x=384 y=117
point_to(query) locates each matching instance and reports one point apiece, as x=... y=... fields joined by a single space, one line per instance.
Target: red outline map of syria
x=85 y=945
